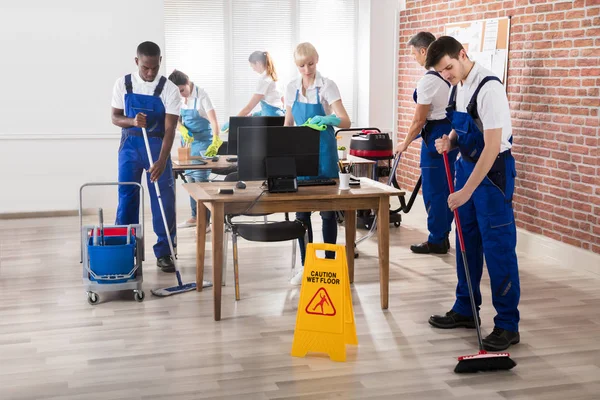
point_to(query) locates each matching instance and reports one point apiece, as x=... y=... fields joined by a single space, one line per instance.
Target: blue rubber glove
x=257 y=114
x=225 y=127
x=330 y=120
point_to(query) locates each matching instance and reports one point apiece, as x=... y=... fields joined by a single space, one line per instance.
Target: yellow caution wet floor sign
x=325 y=318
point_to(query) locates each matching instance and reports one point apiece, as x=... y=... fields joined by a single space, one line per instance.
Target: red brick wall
x=553 y=90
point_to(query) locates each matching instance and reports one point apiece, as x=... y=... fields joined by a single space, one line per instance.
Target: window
x=194 y=41
x=210 y=40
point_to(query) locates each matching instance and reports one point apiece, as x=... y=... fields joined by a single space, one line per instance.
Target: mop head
x=188 y=287
x=484 y=361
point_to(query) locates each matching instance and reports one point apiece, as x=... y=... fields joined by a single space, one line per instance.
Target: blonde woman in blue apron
x=314 y=96
x=266 y=92
x=199 y=118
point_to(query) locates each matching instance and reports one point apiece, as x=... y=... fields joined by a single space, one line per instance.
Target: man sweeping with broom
x=485 y=176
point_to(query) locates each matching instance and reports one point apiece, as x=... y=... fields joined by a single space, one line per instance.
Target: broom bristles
x=484 y=362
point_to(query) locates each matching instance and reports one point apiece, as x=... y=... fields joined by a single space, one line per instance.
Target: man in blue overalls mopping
x=145 y=99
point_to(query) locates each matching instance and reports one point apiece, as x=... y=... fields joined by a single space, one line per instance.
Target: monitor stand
x=281 y=174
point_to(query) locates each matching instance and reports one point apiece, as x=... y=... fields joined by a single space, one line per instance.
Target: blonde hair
x=303 y=51
x=266 y=60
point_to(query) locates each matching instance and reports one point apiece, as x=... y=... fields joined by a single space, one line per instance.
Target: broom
x=483 y=361
x=181 y=287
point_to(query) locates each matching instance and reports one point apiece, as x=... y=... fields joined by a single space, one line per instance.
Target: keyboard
x=316 y=182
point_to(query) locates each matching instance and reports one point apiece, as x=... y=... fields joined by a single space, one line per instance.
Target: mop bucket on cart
x=112 y=255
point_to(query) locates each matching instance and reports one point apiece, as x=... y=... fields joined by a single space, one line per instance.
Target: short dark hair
x=148 y=49
x=443 y=46
x=421 y=40
x=179 y=78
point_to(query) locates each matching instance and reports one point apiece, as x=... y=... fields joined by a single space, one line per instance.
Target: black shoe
x=166 y=264
x=452 y=320
x=500 y=339
x=426 y=248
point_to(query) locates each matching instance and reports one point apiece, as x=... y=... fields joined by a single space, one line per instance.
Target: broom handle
x=162 y=209
x=464 y=253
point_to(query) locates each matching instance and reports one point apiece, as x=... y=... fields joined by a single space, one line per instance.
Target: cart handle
x=106 y=184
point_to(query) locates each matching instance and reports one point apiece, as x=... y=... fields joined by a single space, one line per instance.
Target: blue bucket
x=116 y=257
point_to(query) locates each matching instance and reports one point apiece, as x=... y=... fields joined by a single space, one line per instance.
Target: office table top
x=194 y=163
x=208 y=192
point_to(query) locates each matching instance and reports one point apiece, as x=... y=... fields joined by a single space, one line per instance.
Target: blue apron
x=133 y=160
x=200 y=128
x=328 y=157
x=267 y=110
x=433 y=173
x=487 y=220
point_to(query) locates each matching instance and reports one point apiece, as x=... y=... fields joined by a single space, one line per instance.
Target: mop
x=483 y=361
x=181 y=287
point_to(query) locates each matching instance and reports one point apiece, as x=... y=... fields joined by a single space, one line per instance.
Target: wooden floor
x=53 y=345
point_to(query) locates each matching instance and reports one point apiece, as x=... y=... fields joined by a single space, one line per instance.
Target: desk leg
x=350 y=224
x=383 y=236
x=200 y=244
x=218 y=216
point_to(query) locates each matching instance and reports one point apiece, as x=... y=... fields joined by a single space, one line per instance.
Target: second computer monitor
x=238 y=122
x=259 y=143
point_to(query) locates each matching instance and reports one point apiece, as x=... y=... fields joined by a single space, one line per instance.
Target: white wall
x=60 y=61
x=377 y=65
x=383 y=64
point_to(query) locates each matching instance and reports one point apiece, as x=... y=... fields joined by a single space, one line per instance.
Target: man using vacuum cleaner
x=485 y=177
x=148 y=100
x=431 y=96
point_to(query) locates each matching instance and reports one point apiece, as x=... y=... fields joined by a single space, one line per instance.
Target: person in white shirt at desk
x=198 y=116
x=266 y=92
x=315 y=97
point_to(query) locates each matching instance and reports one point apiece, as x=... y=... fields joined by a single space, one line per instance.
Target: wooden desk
x=179 y=167
x=370 y=195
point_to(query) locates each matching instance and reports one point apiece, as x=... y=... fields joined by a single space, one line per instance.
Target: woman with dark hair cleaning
x=266 y=92
x=198 y=117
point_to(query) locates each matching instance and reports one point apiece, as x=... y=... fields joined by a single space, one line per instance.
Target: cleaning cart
x=112 y=255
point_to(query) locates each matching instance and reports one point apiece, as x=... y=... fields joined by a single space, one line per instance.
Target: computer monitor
x=256 y=144
x=236 y=122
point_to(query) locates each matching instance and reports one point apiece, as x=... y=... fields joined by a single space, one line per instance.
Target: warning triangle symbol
x=321 y=304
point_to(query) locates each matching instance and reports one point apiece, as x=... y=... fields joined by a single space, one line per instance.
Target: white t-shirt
x=328 y=92
x=433 y=91
x=268 y=88
x=203 y=103
x=170 y=94
x=492 y=103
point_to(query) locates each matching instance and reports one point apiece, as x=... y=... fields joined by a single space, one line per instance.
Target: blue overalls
x=200 y=128
x=267 y=110
x=435 y=185
x=487 y=220
x=328 y=168
x=133 y=159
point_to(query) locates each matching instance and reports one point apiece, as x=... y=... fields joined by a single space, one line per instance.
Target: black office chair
x=261 y=232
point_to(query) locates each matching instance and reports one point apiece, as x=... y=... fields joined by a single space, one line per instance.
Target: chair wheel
x=93 y=298
x=139 y=296
x=396 y=224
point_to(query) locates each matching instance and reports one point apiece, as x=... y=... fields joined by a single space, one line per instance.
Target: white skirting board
x=564 y=254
